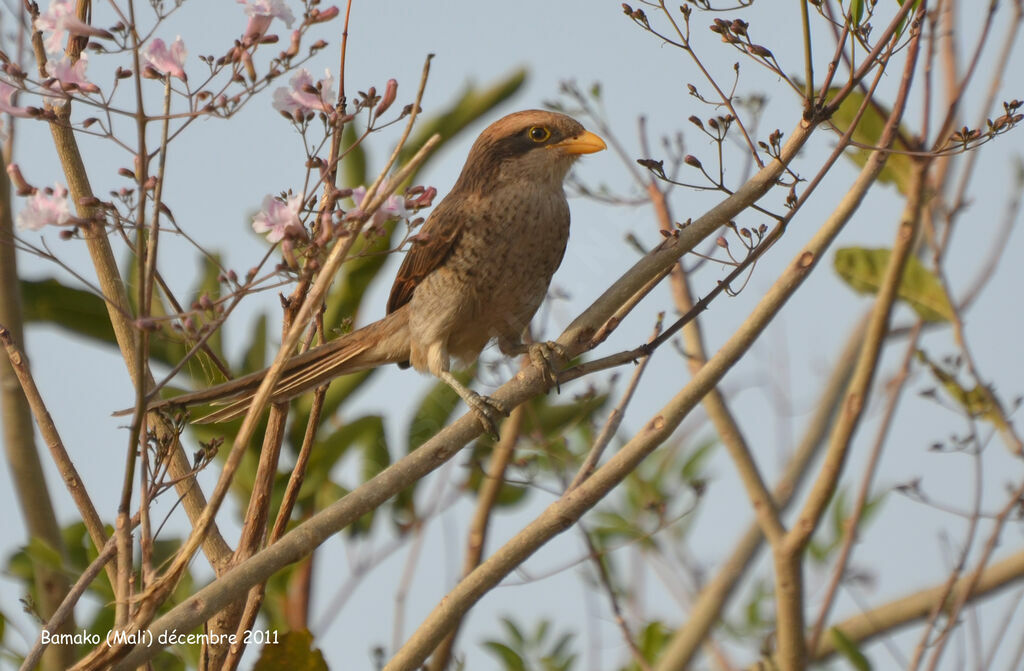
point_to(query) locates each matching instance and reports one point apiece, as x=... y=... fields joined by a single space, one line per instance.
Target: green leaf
x=849 y=650
x=255 y=356
x=978 y=402
x=614 y=527
x=840 y=513
x=434 y=411
x=74 y=310
x=328 y=493
x=209 y=284
x=856 y=11
x=561 y=647
x=898 y=167
x=696 y=462
x=365 y=432
x=508 y=494
x=337 y=393
x=367 y=435
x=374 y=449
x=353 y=164
x=864 y=269
x=554 y=419
x=513 y=632
x=509 y=658
x=541 y=631
x=43 y=554
x=758 y=608
x=166 y=345
x=432 y=414
x=294 y=651
x=365 y=261
x=903 y=22
x=653 y=639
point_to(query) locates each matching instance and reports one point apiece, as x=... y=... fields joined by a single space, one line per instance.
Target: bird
x=477 y=271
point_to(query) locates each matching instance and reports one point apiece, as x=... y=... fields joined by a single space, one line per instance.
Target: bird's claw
x=487 y=411
x=544 y=355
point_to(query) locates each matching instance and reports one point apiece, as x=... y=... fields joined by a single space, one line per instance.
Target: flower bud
x=318 y=16
x=22 y=187
x=390 y=91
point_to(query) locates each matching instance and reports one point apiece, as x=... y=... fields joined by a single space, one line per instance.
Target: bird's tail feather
x=382 y=342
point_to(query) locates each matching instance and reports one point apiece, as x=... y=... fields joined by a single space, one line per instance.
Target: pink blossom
x=298 y=99
x=60 y=18
x=45 y=208
x=6 y=95
x=70 y=75
x=277 y=219
x=262 y=12
x=392 y=208
x=168 y=61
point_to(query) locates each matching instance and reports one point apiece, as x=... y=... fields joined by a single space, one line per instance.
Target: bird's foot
x=488 y=411
x=545 y=356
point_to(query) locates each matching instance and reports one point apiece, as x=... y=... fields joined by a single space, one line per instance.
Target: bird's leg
x=438 y=362
x=485 y=407
x=543 y=355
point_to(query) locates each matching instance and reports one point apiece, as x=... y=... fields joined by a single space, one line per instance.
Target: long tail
x=382 y=342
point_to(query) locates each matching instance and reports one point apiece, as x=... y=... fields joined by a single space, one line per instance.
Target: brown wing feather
x=439 y=236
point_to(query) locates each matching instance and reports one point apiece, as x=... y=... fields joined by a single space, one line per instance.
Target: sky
x=219 y=173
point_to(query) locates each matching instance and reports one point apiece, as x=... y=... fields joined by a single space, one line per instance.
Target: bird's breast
x=499 y=271
x=513 y=251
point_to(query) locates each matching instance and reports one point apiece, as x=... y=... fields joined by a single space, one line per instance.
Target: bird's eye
x=539 y=133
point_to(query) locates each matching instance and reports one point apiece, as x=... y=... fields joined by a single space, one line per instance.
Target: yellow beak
x=587 y=143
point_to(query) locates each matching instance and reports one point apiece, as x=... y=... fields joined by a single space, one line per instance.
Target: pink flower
x=168 y=61
x=70 y=76
x=60 y=18
x=302 y=97
x=261 y=13
x=392 y=208
x=45 y=208
x=277 y=219
x=6 y=95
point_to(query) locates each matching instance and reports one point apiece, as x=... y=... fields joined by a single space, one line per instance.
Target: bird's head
x=533 y=148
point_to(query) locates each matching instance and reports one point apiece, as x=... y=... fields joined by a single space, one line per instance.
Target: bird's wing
x=433 y=246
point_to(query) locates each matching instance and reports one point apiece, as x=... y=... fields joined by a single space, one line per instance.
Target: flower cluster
x=48 y=207
x=279 y=218
x=261 y=13
x=60 y=20
x=167 y=60
x=303 y=98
